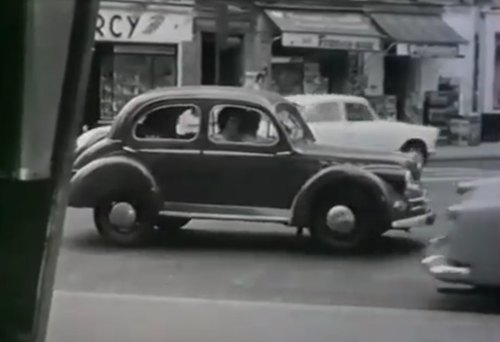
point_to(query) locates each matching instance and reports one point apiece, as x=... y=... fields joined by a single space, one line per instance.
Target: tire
x=420 y=152
x=171 y=224
x=366 y=227
x=142 y=229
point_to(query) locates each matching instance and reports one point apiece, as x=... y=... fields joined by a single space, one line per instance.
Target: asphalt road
x=241 y=261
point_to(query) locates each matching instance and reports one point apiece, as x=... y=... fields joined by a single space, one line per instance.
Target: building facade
x=392 y=52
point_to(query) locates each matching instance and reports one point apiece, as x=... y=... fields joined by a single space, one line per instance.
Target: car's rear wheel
x=170 y=224
x=346 y=222
x=124 y=220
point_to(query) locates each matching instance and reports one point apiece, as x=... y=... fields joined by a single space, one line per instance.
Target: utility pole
x=42 y=88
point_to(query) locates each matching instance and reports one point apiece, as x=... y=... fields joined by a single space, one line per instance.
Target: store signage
x=123 y=25
x=428 y=50
x=331 y=41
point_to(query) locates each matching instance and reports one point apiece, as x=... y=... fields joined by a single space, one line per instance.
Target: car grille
x=418 y=204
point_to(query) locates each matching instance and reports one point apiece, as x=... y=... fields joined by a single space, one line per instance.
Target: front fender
x=303 y=203
x=104 y=176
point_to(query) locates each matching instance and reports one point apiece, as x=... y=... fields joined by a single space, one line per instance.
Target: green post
x=33 y=198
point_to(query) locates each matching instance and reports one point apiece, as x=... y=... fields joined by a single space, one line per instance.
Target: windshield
x=293 y=123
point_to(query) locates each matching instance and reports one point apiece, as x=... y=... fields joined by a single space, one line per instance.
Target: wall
x=463 y=20
x=490 y=24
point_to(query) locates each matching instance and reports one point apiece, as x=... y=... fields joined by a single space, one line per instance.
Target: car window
x=323 y=112
x=176 y=122
x=358 y=112
x=242 y=125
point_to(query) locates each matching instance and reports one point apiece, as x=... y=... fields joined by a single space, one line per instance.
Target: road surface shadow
x=194 y=240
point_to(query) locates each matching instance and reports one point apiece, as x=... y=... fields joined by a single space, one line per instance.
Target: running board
x=226 y=213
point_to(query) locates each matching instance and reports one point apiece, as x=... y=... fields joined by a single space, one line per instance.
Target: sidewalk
x=484 y=151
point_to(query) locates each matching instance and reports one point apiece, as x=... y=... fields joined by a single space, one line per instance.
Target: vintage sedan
x=470 y=253
x=344 y=120
x=228 y=153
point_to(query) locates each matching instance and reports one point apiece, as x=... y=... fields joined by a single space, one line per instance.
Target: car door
x=363 y=129
x=327 y=123
x=258 y=173
x=166 y=138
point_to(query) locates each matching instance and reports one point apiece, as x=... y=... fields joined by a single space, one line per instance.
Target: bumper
x=426 y=219
x=413 y=211
x=438 y=266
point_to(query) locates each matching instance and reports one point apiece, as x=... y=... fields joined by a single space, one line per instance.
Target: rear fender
x=303 y=204
x=108 y=175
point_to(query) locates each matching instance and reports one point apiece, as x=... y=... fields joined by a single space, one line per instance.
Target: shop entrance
x=230 y=61
x=397 y=71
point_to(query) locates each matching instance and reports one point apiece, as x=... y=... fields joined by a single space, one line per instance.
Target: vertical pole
x=70 y=112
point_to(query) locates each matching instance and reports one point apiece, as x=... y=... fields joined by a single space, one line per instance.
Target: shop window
x=358 y=112
x=323 y=112
x=126 y=73
x=179 y=122
x=240 y=124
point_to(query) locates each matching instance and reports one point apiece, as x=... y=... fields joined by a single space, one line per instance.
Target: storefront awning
x=420 y=35
x=342 y=31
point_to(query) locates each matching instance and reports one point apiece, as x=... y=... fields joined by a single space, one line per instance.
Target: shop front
x=319 y=52
x=137 y=48
x=417 y=44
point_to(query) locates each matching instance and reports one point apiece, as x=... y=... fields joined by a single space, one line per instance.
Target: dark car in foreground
x=225 y=153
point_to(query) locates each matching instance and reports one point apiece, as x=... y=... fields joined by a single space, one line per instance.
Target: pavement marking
x=278 y=305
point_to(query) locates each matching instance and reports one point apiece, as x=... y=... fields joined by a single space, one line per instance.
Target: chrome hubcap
x=340 y=219
x=122 y=215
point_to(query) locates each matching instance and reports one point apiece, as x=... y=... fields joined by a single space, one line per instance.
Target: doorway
x=397 y=76
x=230 y=67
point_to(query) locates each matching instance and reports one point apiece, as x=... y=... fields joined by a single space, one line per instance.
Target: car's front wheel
x=346 y=222
x=124 y=220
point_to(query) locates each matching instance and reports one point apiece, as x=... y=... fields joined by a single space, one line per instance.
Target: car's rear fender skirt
x=114 y=174
x=335 y=177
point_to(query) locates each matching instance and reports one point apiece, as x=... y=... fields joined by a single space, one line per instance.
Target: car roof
x=308 y=99
x=258 y=97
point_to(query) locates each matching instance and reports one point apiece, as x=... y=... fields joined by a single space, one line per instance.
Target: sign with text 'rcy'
x=132 y=26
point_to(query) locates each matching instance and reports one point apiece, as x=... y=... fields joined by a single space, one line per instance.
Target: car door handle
x=284 y=153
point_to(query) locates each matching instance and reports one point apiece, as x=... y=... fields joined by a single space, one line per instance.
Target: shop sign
x=331 y=41
x=124 y=25
x=428 y=50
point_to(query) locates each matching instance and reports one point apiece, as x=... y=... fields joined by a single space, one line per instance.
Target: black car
x=227 y=153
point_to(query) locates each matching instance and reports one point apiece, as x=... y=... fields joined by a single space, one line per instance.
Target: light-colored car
x=345 y=120
x=470 y=253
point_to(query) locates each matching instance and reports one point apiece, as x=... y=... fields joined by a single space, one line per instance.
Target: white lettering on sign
x=434 y=51
x=329 y=41
x=148 y=27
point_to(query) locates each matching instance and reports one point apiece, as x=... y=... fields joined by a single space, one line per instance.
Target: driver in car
x=238 y=124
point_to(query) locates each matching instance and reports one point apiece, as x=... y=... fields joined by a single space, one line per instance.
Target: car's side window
x=358 y=112
x=241 y=125
x=324 y=112
x=172 y=122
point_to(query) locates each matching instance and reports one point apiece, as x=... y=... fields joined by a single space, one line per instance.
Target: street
x=264 y=283
x=243 y=261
